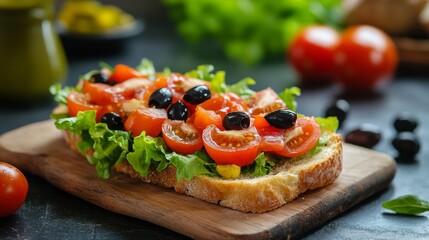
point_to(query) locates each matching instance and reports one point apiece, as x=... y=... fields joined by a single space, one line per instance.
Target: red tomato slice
x=272 y=139
x=231 y=147
x=204 y=118
x=145 y=119
x=260 y=122
x=265 y=101
x=181 y=137
x=76 y=103
x=98 y=93
x=123 y=72
x=301 y=138
x=103 y=94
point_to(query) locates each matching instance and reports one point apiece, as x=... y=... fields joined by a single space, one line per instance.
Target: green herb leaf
x=407 y=204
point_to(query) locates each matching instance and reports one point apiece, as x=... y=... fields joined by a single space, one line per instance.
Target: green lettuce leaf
x=327 y=126
x=261 y=166
x=203 y=72
x=59 y=93
x=147 y=151
x=241 y=88
x=110 y=146
x=288 y=97
x=189 y=166
x=146 y=67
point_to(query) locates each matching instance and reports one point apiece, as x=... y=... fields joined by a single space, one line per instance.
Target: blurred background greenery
x=247 y=30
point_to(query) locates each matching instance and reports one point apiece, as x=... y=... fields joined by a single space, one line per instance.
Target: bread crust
x=284 y=183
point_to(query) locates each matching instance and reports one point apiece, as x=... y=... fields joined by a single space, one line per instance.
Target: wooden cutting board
x=39 y=148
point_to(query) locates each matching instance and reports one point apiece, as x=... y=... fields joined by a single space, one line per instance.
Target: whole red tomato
x=364 y=59
x=311 y=52
x=13 y=189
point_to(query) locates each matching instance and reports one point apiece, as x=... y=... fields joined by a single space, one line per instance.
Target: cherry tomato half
x=103 y=94
x=146 y=119
x=239 y=147
x=13 y=189
x=311 y=52
x=122 y=72
x=181 y=137
x=301 y=138
x=265 y=101
x=365 y=58
x=76 y=103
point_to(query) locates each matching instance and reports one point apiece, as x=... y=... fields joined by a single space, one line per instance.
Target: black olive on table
x=405 y=122
x=282 y=118
x=407 y=145
x=339 y=109
x=366 y=135
x=236 y=121
x=113 y=120
x=177 y=111
x=161 y=98
x=197 y=95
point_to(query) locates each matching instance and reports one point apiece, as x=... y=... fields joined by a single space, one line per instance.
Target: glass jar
x=31 y=54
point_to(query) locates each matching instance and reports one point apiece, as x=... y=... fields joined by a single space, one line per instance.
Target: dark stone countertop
x=49 y=213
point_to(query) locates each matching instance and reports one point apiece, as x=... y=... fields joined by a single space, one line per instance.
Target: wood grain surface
x=39 y=148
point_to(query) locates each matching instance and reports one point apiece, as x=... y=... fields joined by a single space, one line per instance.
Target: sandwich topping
x=193 y=121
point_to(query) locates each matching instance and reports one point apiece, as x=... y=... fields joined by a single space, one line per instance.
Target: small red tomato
x=13 y=189
x=365 y=58
x=181 y=137
x=146 y=119
x=311 y=52
x=239 y=147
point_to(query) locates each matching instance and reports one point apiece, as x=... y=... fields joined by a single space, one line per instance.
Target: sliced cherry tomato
x=203 y=118
x=146 y=119
x=98 y=93
x=122 y=72
x=181 y=137
x=365 y=58
x=260 y=122
x=76 y=103
x=103 y=94
x=131 y=88
x=311 y=53
x=301 y=138
x=13 y=189
x=239 y=147
x=272 y=139
x=265 y=101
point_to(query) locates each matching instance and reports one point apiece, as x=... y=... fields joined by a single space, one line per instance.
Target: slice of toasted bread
x=285 y=182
